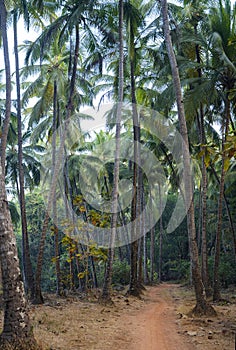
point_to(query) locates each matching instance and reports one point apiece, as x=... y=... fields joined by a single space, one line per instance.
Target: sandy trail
x=154 y=327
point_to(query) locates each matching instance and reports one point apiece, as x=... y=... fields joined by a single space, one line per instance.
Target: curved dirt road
x=154 y=326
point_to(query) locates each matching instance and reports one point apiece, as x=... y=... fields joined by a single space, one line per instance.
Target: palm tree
x=106 y=292
x=202 y=307
x=69 y=110
x=223 y=59
x=193 y=47
x=27 y=265
x=17 y=331
x=133 y=21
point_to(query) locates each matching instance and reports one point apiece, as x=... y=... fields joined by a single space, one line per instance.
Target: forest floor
x=157 y=321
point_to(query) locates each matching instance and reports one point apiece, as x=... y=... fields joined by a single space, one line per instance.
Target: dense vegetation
x=91 y=53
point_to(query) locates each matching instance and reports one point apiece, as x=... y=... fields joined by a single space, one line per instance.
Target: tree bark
x=17 y=330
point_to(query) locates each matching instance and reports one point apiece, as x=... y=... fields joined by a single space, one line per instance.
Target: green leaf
x=226 y=164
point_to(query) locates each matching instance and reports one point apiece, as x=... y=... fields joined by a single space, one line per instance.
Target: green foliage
x=227 y=271
x=121 y=272
x=177 y=270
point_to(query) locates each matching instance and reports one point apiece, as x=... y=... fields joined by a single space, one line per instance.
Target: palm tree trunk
x=134 y=288
x=216 y=282
x=17 y=331
x=6 y=122
x=203 y=204
x=152 y=253
x=202 y=307
x=145 y=272
x=55 y=228
x=202 y=139
x=27 y=265
x=160 y=237
x=106 y=291
x=204 y=267
x=152 y=244
x=140 y=263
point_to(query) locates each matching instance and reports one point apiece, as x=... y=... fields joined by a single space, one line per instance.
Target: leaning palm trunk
x=202 y=307
x=106 y=292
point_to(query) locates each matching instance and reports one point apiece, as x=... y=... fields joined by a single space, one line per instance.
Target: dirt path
x=154 y=326
x=132 y=324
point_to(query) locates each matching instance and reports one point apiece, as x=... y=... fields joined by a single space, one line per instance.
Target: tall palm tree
x=223 y=59
x=194 y=33
x=106 y=292
x=134 y=20
x=27 y=265
x=202 y=307
x=69 y=110
x=17 y=331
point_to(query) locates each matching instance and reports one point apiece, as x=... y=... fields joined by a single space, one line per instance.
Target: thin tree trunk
x=203 y=211
x=204 y=267
x=6 y=121
x=152 y=244
x=27 y=265
x=152 y=254
x=106 y=291
x=203 y=207
x=202 y=307
x=161 y=236
x=134 y=288
x=216 y=282
x=140 y=263
x=145 y=274
x=54 y=215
